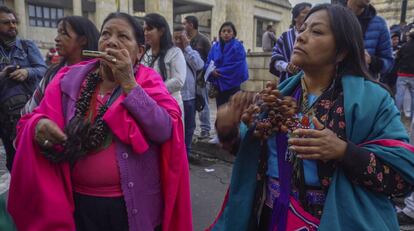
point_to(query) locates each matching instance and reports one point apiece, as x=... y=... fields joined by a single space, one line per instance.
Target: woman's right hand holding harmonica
x=119 y=61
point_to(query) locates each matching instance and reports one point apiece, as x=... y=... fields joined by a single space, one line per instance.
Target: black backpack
x=200 y=101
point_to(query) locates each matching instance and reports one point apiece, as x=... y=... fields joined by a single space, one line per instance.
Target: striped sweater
x=281 y=54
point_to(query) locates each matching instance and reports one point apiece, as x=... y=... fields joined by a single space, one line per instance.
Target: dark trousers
x=8 y=146
x=8 y=125
x=101 y=213
x=265 y=218
x=224 y=96
x=189 y=122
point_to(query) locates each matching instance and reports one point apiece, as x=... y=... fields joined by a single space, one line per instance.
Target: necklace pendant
x=305 y=121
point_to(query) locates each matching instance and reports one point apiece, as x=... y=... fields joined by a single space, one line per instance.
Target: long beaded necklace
x=98 y=129
x=84 y=136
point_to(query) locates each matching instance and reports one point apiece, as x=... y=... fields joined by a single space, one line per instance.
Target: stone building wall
x=391 y=10
x=282 y=16
x=259 y=74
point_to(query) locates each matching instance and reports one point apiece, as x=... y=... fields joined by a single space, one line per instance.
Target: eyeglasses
x=9 y=22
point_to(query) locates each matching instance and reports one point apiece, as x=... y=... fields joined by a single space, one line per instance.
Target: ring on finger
x=46 y=142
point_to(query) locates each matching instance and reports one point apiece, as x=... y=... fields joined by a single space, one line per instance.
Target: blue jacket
x=230 y=62
x=27 y=57
x=377 y=41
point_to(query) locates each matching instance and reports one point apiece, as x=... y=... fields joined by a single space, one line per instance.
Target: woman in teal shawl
x=354 y=157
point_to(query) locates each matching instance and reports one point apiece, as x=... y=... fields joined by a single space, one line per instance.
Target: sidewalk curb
x=207 y=150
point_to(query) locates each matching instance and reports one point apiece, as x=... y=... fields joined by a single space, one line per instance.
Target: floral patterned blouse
x=361 y=166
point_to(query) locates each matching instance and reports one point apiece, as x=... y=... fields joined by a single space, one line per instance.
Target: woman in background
x=74 y=34
x=163 y=56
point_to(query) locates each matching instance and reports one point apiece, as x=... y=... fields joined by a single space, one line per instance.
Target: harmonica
x=90 y=53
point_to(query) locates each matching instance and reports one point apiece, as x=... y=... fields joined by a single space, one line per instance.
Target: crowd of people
x=102 y=142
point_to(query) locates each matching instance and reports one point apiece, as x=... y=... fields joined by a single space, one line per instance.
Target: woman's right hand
x=229 y=115
x=48 y=133
x=228 y=118
x=121 y=65
x=215 y=73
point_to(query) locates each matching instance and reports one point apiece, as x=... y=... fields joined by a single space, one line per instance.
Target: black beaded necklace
x=83 y=136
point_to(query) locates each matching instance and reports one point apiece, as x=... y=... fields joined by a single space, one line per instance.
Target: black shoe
x=403 y=219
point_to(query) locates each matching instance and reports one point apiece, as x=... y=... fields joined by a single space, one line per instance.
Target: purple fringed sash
x=281 y=204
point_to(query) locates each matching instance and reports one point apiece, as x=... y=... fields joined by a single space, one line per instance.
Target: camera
x=10 y=68
x=7 y=70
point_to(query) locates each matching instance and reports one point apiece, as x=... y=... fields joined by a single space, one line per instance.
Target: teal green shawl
x=370 y=114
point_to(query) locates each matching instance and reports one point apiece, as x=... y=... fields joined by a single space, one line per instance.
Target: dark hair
x=348 y=38
x=269 y=27
x=395 y=34
x=230 y=24
x=133 y=22
x=297 y=9
x=193 y=20
x=157 y=21
x=7 y=10
x=82 y=27
x=179 y=28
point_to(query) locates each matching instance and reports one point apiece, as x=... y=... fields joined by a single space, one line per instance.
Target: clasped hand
x=317 y=144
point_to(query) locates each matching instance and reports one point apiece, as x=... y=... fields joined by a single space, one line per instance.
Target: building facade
x=39 y=17
x=391 y=10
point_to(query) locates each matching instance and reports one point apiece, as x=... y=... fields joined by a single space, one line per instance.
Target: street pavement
x=209 y=182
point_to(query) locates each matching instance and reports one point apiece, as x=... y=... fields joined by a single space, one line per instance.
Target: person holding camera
x=22 y=67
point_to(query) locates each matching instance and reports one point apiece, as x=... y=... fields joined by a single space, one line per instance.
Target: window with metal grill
x=44 y=16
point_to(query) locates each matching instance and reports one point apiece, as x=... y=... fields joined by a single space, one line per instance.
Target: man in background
x=22 y=67
x=268 y=39
x=378 y=51
x=200 y=43
x=390 y=78
x=188 y=91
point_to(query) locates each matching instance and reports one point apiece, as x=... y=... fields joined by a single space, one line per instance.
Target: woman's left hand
x=317 y=144
x=120 y=63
